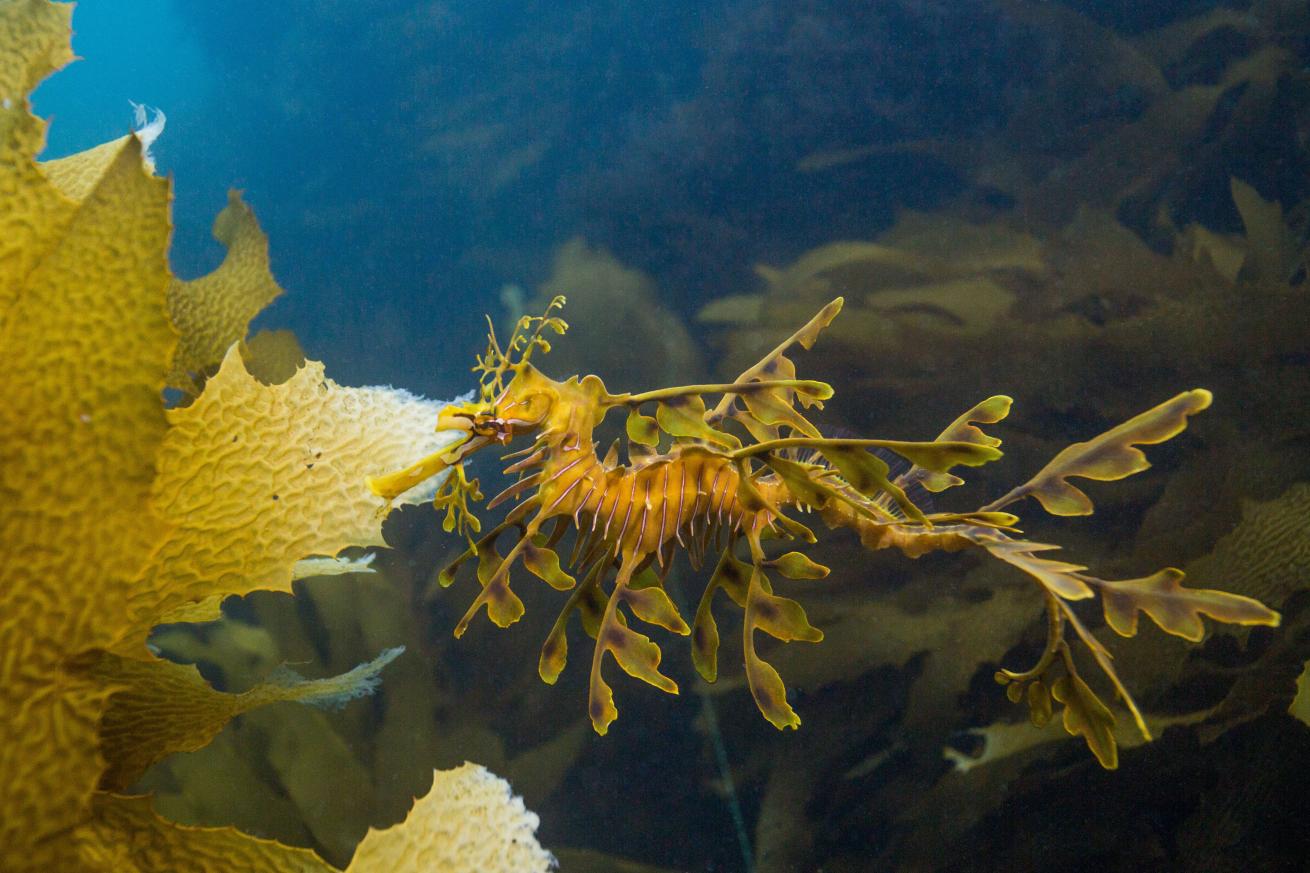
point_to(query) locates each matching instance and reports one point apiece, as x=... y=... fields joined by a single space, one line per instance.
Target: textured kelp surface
x=119 y=514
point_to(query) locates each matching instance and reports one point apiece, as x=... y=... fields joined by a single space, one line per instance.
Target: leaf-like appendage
x=806 y=337
x=636 y=653
x=769 y=692
x=554 y=652
x=773 y=406
x=544 y=564
x=133 y=735
x=962 y=430
x=733 y=576
x=503 y=605
x=639 y=656
x=941 y=456
x=705 y=638
x=795 y=565
x=1058 y=577
x=685 y=417
x=748 y=495
x=1039 y=703
x=781 y=618
x=1086 y=715
x=653 y=606
x=589 y=603
x=799 y=481
x=1106 y=458
x=867 y=474
x=1177 y=610
x=642 y=429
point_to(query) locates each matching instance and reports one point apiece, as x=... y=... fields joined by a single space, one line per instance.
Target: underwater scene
x=744 y=436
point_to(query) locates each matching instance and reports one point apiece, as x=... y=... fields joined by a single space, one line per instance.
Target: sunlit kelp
x=118 y=514
x=731 y=471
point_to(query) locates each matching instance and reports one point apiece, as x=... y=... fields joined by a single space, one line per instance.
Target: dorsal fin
x=612 y=456
x=639 y=454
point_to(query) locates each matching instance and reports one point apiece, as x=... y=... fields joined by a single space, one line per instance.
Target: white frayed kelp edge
x=308 y=568
x=421 y=414
x=147 y=129
x=334 y=692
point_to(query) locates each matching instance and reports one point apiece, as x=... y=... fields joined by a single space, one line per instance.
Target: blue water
x=140 y=51
x=326 y=119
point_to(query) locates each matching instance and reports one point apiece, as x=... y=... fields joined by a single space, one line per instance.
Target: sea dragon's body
x=692 y=485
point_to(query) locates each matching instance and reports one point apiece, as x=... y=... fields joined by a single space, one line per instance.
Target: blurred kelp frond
x=621 y=325
x=120 y=514
x=938 y=293
x=319 y=778
x=1110 y=119
x=945 y=306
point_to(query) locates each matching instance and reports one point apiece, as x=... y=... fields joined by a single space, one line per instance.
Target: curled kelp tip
x=334 y=692
x=147 y=129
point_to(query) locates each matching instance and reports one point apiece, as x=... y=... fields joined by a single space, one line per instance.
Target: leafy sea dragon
x=705 y=478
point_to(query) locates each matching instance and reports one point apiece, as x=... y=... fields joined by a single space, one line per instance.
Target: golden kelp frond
x=1108 y=457
x=1269 y=549
x=214 y=311
x=932 y=271
x=35 y=36
x=114 y=521
x=810 y=276
x=969 y=307
x=274 y=473
x=159 y=707
x=1095 y=292
x=469 y=822
x=125 y=833
x=86 y=346
x=319 y=779
x=76 y=176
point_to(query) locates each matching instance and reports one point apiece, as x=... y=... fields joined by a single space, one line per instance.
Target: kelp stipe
x=693 y=484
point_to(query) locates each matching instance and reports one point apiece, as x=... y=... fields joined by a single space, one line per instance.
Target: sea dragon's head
x=514 y=398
